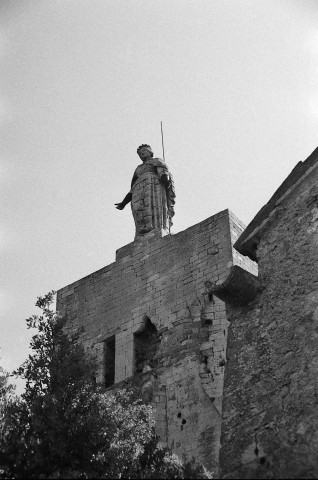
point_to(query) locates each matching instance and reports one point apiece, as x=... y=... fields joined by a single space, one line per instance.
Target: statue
x=152 y=194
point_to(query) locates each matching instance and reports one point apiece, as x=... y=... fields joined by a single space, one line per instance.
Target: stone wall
x=270 y=406
x=158 y=291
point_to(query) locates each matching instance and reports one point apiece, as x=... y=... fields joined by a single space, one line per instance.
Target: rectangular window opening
x=109 y=361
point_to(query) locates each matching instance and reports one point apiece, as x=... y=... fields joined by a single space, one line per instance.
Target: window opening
x=146 y=344
x=109 y=365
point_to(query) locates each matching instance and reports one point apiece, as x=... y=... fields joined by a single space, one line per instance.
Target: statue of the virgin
x=152 y=194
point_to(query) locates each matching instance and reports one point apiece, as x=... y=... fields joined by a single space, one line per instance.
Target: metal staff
x=163 y=147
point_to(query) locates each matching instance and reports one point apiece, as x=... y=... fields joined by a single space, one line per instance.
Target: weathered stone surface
x=163 y=280
x=270 y=405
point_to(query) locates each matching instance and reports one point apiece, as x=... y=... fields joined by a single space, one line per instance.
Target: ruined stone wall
x=152 y=310
x=270 y=406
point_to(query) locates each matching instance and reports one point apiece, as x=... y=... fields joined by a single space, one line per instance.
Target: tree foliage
x=6 y=389
x=64 y=426
x=6 y=393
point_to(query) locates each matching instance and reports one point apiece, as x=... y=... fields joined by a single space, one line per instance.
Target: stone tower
x=153 y=321
x=227 y=358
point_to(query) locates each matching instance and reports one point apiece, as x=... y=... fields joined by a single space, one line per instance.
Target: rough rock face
x=153 y=322
x=270 y=404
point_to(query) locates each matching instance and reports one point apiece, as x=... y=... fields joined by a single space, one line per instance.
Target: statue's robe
x=153 y=197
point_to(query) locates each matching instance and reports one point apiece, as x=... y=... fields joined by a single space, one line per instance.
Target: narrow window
x=109 y=361
x=146 y=345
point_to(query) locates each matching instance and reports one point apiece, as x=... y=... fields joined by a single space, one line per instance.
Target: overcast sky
x=84 y=82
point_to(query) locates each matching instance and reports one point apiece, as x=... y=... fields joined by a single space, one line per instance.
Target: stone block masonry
x=270 y=407
x=156 y=292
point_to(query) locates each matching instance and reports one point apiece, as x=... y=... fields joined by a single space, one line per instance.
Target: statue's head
x=144 y=151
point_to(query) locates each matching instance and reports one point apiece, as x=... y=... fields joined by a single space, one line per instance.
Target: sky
x=84 y=82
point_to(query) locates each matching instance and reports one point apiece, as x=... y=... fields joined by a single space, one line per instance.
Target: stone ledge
x=239 y=288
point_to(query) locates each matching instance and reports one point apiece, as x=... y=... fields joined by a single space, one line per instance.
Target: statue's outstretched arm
x=127 y=199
